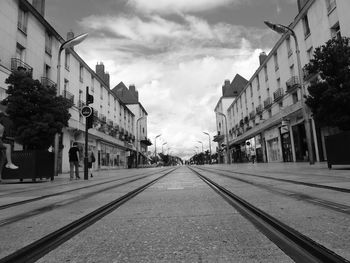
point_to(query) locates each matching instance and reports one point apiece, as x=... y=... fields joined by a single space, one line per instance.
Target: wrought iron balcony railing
x=292 y=83
x=259 y=109
x=69 y=96
x=278 y=94
x=102 y=117
x=252 y=114
x=17 y=64
x=268 y=103
x=47 y=82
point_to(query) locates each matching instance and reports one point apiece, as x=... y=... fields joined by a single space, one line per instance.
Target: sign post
x=86 y=111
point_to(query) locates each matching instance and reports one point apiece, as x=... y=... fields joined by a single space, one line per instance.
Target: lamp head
x=275 y=27
x=74 y=41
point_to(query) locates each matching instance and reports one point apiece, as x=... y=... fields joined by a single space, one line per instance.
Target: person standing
x=7 y=139
x=74 y=160
x=91 y=159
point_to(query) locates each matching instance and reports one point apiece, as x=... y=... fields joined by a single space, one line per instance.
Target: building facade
x=266 y=117
x=30 y=42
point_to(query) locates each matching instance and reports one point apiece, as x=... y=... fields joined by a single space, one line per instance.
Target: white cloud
x=178 y=6
x=178 y=69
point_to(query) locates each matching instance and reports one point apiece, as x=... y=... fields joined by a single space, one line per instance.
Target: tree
x=329 y=97
x=37 y=113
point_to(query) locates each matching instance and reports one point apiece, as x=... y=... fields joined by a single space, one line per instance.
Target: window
x=309 y=53
x=270 y=113
x=22 y=20
x=259 y=100
x=81 y=73
x=289 y=48
x=278 y=83
x=101 y=92
x=275 y=59
x=92 y=88
x=67 y=59
x=306 y=26
x=251 y=90
x=268 y=92
x=265 y=71
x=335 y=31
x=66 y=85
x=257 y=82
x=48 y=43
x=292 y=70
x=109 y=99
x=295 y=97
x=331 y=4
x=20 y=52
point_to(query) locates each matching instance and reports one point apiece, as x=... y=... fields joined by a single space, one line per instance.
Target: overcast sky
x=177 y=52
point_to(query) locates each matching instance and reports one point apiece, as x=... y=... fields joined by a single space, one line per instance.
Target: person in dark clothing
x=7 y=138
x=91 y=159
x=74 y=161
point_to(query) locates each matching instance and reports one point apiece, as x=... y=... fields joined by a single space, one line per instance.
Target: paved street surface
x=180 y=218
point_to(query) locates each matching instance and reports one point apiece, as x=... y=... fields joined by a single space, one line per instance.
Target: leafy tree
x=329 y=97
x=37 y=113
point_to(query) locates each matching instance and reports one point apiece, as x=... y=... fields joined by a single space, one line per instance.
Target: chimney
x=226 y=87
x=100 y=71
x=39 y=5
x=133 y=91
x=262 y=57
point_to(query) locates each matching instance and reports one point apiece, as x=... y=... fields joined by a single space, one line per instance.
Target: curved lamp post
x=155 y=146
x=67 y=44
x=209 y=146
x=162 y=146
x=137 y=139
x=281 y=29
x=226 y=135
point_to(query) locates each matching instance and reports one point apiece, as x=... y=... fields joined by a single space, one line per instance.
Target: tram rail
x=296 y=245
x=41 y=247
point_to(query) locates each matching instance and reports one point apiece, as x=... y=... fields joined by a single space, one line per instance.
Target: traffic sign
x=86 y=111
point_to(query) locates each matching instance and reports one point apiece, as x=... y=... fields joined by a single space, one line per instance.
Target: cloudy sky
x=177 y=52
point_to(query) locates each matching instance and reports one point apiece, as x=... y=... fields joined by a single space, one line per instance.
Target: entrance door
x=286 y=147
x=300 y=144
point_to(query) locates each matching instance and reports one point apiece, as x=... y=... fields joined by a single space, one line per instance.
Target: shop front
x=273 y=145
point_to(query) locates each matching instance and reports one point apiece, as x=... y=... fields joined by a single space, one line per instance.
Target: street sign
x=86 y=111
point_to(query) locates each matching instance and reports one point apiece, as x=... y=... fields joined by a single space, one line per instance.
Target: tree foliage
x=329 y=94
x=37 y=113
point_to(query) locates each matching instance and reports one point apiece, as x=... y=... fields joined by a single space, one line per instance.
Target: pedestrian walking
x=74 y=160
x=91 y=160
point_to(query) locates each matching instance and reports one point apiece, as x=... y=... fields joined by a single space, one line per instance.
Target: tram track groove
x=340 y=208
x=50 y=207
x=43 y=246
x=296 y=245
x=26 y=201
x=333 y=188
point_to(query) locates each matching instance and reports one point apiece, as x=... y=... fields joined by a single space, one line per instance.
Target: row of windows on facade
x=20 y=54
x=335 y=32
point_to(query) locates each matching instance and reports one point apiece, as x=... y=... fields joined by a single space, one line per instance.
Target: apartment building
x=267 y=117
x=30 y=42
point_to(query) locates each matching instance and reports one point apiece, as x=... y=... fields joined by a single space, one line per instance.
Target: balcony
x=292 y=84
x=69 y=96
x=47 y=82
x=268 y=103
x=17 y=64
x=110 y=123
x=95 y=112
x=81 y=103
x=241 y=123
x=278 y=94
x=259 y=109
x=102 y=118
x=252 y=114
x=146 y=141
x=246 y=120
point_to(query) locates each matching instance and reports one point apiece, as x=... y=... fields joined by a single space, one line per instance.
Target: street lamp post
x=226 y=135
x=155 y=147
x=209 y=146
x=162 y=147
x=202 y=146
x=281 y=29
x=137 y=139
x=67 y=44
